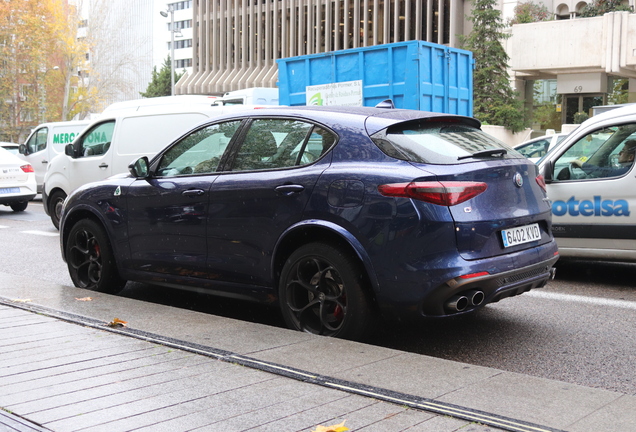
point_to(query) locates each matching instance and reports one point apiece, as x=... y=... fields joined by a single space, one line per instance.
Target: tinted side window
x=198 y=153
x=97 y=140
x=37 y=142
x=281 y=143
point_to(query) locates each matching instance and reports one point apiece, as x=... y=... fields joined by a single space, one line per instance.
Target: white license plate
x=520 y=235
x=9 y=190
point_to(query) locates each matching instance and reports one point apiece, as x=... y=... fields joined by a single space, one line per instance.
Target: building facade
x=236 y=42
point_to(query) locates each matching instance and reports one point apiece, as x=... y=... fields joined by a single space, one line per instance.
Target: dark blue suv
x=338 y=214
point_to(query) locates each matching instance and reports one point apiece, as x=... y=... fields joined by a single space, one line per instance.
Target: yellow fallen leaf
x=116 y=322
x=22 y=300
x=335 y=428
x=84 y=299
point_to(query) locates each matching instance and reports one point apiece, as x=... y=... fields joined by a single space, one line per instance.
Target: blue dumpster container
x=414 y=74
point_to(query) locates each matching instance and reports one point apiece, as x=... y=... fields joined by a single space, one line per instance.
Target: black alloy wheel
x=321 y=292
x=90 y=259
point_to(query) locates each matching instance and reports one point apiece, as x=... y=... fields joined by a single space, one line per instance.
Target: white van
x=47 y=141
x=591 y=182
x=250 y=96
x=164 y=101
x=109 y=144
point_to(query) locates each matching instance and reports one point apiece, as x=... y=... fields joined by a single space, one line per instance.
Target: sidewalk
x=63 y=369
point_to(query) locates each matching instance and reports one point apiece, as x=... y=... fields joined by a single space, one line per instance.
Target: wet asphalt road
x=580 y=329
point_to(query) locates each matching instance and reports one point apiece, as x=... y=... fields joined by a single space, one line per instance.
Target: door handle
x=103 y=165
x=193 y=192
x=290 y=189
x=45 y=161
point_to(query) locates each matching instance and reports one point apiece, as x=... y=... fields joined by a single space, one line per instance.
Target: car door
x=262 y=191
x=592 y=194
x=167 y=211
x=93 y=155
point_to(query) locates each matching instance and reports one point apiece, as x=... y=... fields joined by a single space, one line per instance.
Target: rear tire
x=19 y=206
x=321 y=292
x=56 y=201
x=90 y=259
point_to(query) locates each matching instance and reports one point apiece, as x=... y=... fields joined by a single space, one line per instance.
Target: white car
x=591 y=183
x=17 y=181
x=536 y=148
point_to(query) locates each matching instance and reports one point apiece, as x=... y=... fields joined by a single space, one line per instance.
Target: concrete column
x=631 y=95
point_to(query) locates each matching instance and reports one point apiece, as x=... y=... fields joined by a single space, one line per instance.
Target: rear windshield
x=441 y=143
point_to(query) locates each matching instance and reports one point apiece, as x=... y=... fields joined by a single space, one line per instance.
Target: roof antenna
x=387 y=103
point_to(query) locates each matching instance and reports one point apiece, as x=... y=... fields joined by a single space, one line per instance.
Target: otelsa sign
x=347 y=93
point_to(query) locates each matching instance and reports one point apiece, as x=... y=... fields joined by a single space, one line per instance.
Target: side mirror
x=140 y=167
x=23 y=149
x=548 y=169
x=69 y=150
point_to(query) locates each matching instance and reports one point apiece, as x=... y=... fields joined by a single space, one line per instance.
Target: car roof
x=375 y=119
x=542 y=137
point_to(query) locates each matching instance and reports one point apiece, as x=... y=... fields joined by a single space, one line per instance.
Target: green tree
x=601 y=7
x=620 y=91
x=495 y=102
x=160 y=83
x=528 y=12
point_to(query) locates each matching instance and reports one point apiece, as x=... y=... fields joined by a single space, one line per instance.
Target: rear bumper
x=448 y=299
x=15 y=199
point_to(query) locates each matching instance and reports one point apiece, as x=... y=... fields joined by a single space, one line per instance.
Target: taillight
x=474 y=275
x=447 y=193
x=27 y=168
x=541 y=182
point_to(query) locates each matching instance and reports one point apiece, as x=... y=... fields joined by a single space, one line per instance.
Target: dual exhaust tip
x=460 y=302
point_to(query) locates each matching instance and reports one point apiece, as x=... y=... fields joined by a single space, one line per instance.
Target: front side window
x=37 y=142
x=281 y=143
x=198 y=153
x=97 y=141
x=438 y=142
x=607 y=152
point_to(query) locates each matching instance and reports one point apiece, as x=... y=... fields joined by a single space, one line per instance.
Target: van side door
x=92 y=155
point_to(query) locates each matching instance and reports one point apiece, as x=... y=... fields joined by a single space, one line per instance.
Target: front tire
x=90 y=259
x=56 y=201
x=321 y=292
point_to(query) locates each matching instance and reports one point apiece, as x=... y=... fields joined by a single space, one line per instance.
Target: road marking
x=596 y=301
x=43 y=233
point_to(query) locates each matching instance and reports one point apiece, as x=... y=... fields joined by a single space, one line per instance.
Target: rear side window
x=281 y=143
x=440 y=143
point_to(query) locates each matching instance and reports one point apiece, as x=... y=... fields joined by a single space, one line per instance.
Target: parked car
x=12 y=147
x=536 y=148
x=17 y=181
x=335 y=213
x=593 y=192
